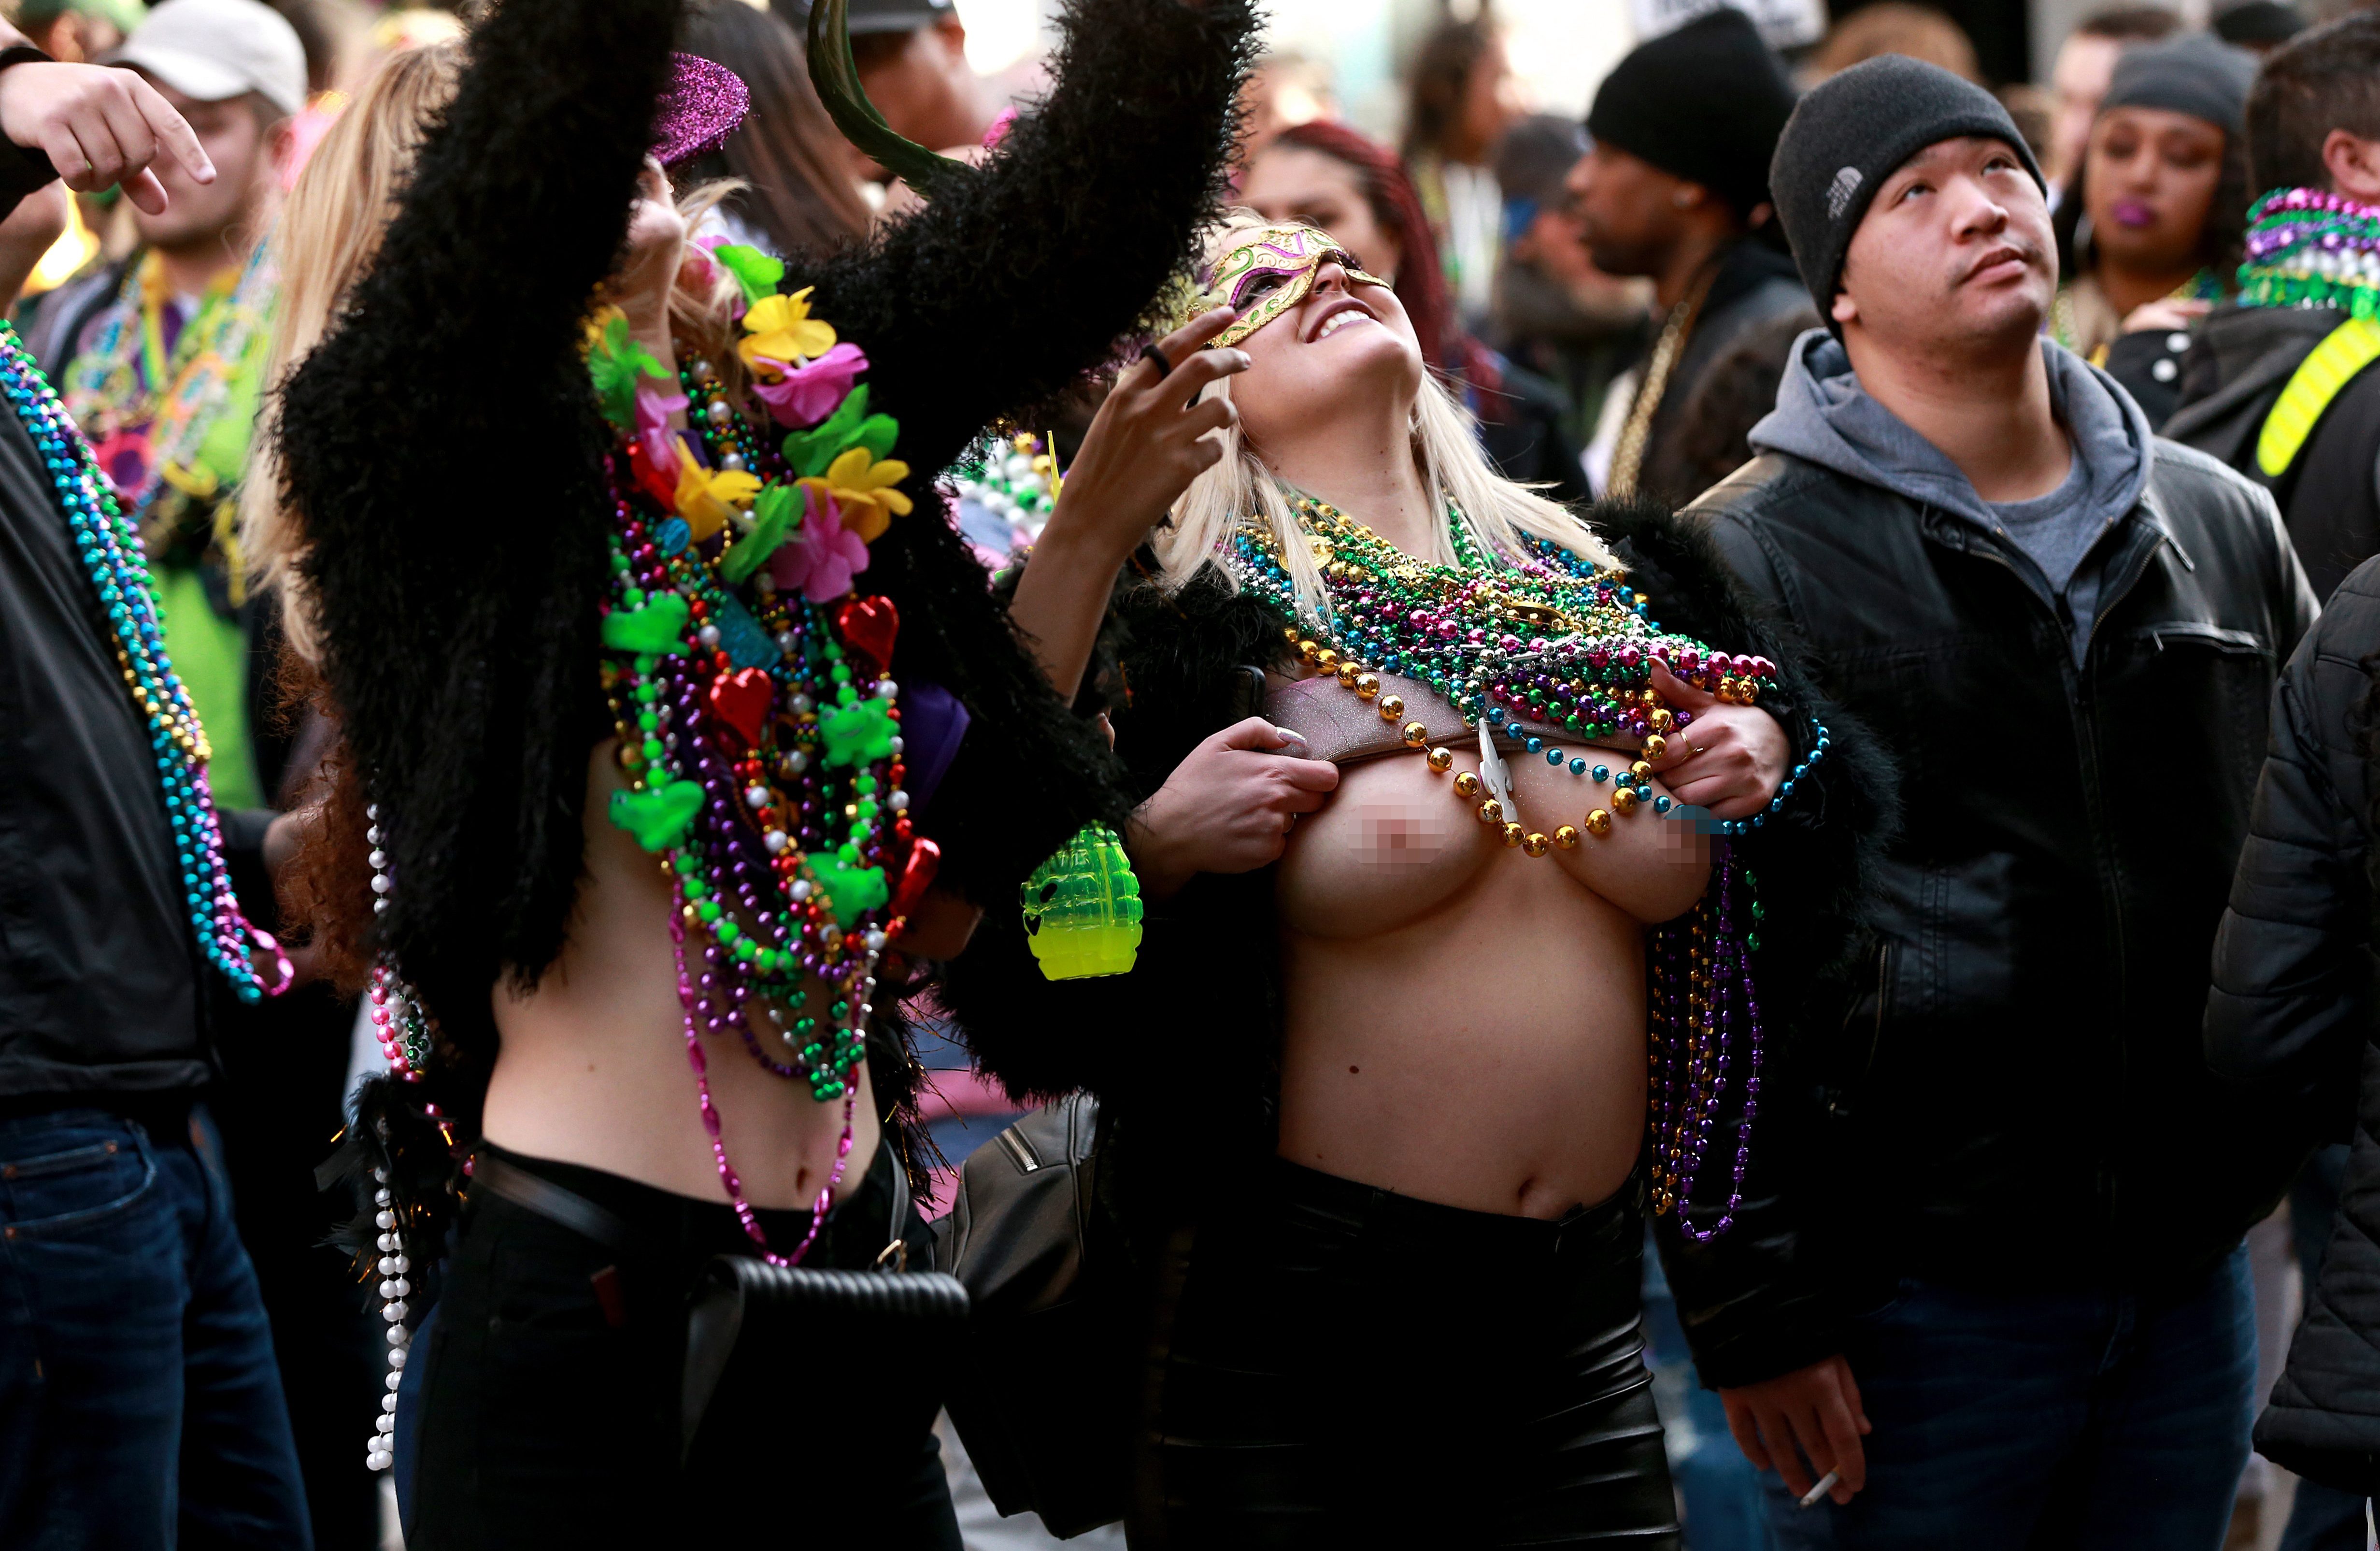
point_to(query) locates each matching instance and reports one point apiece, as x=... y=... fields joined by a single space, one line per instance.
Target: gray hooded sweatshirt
x=1825 y=416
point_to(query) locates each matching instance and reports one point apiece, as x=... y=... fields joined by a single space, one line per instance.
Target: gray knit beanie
x=1851 y=132
x=2195 y=74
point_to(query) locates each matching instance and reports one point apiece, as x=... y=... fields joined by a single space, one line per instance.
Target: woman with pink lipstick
x=2150 y=232
x=1398 y=1075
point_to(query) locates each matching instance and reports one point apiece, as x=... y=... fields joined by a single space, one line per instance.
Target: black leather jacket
x=2291 y=1017
x=2016 y=1096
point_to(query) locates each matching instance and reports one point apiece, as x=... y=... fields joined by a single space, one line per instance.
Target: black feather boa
x=443 y=445
x=1183 y=1052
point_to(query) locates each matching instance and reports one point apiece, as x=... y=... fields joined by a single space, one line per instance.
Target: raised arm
x=1013 y=282
x=444 y=447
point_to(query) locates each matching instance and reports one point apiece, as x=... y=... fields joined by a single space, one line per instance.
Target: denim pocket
x=76 y=1186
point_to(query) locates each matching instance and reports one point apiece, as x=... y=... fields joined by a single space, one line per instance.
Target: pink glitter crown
x=701 y=108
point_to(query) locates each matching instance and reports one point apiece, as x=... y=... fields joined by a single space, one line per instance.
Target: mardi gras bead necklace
x=760 y=729
x=1013 y=478
x=111 y=556
x=2312 y=247
x=1583 y=668
x=130 y=394
x=1535 y=648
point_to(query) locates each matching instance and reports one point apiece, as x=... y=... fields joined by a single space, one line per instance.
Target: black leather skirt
x=1346 y=1366
x=553 y=1402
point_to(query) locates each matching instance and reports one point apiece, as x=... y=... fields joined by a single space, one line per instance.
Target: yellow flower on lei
x=862 y=488
x=707 y=497
x=780 y=329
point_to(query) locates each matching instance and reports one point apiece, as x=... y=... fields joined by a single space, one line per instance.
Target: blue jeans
x=139 y=1405
x=2019 y=1421
x=1719 y=1492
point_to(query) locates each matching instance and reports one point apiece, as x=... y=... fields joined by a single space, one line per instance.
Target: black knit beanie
x=1704 y=103
x=1851 y=132
x=2195 y=74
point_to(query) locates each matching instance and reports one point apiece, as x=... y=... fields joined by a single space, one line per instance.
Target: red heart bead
x=925 y=860
x=661 y=486
x=741 y=701
x=871 y=625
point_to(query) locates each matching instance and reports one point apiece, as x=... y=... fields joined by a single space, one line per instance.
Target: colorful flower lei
x=759 y=727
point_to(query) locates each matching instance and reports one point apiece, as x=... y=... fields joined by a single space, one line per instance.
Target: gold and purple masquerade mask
x=1285 y=257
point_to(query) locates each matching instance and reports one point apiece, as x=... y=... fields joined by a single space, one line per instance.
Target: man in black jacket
x=1995 y=1282
x=140 y=1402
x=2314 y=124
x=1675 y=187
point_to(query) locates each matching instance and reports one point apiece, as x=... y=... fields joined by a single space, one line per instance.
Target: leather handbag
x=894 y=1333
x=1046 y=1393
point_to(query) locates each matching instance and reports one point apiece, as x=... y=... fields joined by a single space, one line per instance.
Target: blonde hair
x=1498 y=513
x=329 y=228
x=329 y=233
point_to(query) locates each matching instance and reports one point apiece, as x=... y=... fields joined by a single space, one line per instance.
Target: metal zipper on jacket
x=2081 y=706
x=2111 y=600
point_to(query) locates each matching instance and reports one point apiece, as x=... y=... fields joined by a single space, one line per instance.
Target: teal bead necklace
x=1541 y=646
x=110 y=554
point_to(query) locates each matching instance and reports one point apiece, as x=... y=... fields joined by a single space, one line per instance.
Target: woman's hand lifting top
x=1227 y=808
x=1730 y=759
x=1145 y=446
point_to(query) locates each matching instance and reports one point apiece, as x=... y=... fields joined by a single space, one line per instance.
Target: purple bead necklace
x=1702 y=980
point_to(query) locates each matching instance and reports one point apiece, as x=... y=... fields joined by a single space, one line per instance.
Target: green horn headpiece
x=836 y=75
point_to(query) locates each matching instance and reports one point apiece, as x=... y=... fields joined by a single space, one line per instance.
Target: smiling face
x=1954 y=255
x=2148 y=183
x=1325 y=340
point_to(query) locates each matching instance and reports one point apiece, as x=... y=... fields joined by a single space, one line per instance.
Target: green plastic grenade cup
x=1082 y=908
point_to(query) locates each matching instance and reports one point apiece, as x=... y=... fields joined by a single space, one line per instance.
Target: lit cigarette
x=1826 y=1484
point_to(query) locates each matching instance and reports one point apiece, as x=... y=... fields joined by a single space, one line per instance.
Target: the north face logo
x=1840 y=192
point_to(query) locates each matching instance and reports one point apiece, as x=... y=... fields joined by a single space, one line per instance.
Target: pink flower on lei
x=654 y=410
x=827 y=556
x=802 y=395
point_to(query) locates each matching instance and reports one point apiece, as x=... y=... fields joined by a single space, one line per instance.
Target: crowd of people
x=1733 y=736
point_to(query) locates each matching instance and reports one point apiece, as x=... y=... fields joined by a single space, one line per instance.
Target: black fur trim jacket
x=444 y=445
x=1182 y=1052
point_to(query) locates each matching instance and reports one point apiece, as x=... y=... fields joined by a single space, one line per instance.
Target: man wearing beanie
x=1999 y=1290
x=1675 y=187
x=2294 y=332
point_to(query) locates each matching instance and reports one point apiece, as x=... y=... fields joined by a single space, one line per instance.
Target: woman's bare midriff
x=1465 y=1024
x=593 y=1066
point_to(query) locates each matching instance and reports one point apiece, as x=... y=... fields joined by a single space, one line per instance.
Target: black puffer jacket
x=2017 y=1096
x=2290 y=1017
